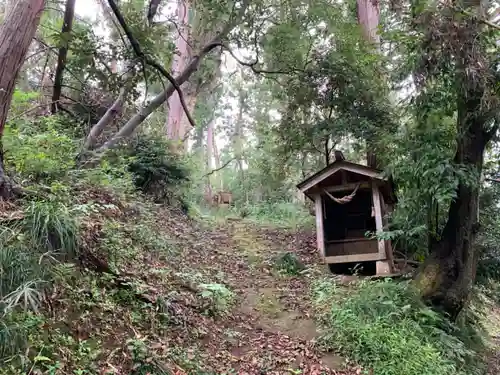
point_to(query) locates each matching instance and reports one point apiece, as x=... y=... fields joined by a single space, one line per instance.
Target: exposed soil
x=268 y=329
x=271 y=325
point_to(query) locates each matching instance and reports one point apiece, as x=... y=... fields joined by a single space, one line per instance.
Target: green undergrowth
x=61 y=315
x=386 y=327
x=286 y=215
x=82 y=260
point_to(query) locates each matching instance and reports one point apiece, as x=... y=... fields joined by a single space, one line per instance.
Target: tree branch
x=252 y=65
x=127 y=129
x=149 y=61
x=218 y=169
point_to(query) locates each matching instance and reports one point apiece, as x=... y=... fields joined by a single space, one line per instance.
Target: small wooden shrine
x=350 y=200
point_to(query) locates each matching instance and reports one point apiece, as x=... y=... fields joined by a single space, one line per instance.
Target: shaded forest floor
x=268 y=327
x=192 y=297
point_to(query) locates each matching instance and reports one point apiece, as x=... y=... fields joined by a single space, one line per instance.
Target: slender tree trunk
x=16 y=33
x=217 y=161
x=112 y=112
x=69 y=14
x=238 y=133
x=210 y=149
x=368 y=18
x=181 y=57
x=45 y=85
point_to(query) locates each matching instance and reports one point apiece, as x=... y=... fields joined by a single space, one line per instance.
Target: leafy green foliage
x=156 y=170
x=14 y=335
x=218 y=296
x=40 y=152
x=386 y=327
x=289 y=264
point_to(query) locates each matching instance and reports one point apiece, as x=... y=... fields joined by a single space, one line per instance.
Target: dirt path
x=270 y=330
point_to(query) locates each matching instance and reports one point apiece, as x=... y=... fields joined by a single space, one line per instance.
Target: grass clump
x=386 y=327
x=50 y=226
x=289 y=264
x=29 y=247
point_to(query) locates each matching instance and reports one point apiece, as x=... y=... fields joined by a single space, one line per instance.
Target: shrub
x=156 y=170
x=386 y=327
x=218 y=296
x=41 y=152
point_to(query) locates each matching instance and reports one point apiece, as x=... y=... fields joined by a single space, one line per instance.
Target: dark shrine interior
x=349 y=220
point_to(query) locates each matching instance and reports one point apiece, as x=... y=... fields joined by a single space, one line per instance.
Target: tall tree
x=16 y=33
x=368 y=18
x=465 y=59
x=181 y=58
x=69 y=15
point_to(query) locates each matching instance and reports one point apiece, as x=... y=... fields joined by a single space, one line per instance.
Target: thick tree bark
x=368 y=18
x=69 y=15
x=448 y=274
x=16 y=33
x=192 y=32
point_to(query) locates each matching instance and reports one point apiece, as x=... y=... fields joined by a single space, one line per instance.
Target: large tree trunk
x=446 y=277
x=67 y=26
x=448 y=274
x=16 y=33
x=114 y=34
x=192 y=32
